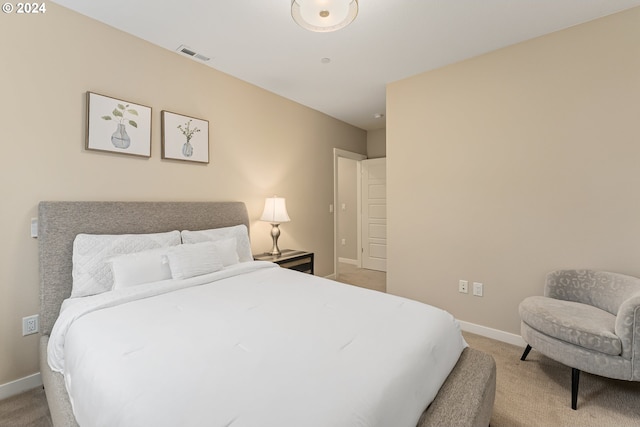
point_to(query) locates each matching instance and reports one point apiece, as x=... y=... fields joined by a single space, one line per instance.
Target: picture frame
x=184 y=138
x=117 y=126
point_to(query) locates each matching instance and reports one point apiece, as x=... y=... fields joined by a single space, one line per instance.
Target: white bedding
x=252 y=345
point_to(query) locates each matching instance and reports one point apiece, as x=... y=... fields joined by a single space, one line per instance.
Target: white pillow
x=140 y=267
x=239 y=232
x=191 y=260
x=91 y=272
x=227 y=250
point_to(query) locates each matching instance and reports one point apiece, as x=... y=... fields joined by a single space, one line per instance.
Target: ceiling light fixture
x=323 y=16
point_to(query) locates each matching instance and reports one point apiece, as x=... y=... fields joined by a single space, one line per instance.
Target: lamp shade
x=275 y=210
x=324 y=15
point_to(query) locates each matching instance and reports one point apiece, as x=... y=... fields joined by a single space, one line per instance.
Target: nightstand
x=292 y=259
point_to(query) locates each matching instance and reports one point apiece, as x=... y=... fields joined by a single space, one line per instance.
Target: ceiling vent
x=190 y=52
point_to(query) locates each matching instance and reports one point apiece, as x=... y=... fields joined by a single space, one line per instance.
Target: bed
x=464 y=395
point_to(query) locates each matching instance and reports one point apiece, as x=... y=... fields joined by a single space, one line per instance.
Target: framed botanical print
x=184 y=138
x=118 y=126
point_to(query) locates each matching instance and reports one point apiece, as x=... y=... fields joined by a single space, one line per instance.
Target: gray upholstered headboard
x=60 y=222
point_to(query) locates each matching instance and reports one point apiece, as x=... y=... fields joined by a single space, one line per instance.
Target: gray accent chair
x=588 y=320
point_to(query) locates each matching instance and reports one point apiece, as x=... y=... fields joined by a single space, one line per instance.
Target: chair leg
x=575 y=379
x=526 y=352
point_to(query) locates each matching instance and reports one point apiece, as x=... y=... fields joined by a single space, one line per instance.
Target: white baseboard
x=348 y=261
x=18 y=386
x=495 y=334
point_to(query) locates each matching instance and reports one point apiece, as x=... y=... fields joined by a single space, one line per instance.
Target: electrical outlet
x=30 y=325
x=477 y=289
x=343 y=242
x=463 y=286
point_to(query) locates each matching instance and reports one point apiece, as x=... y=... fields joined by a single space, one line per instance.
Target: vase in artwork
x=120 y=138
x=187 y=149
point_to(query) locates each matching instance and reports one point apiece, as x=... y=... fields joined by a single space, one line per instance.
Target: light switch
x=478 y=289
x=34 y=227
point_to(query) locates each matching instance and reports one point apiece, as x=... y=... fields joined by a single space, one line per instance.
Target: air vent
x=190 y=52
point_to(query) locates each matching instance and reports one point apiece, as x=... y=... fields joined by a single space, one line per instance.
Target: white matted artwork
x=184 y=138
x=118 y=126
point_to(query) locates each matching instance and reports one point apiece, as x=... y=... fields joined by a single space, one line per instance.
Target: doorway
x=360 y=218
x=346 y=176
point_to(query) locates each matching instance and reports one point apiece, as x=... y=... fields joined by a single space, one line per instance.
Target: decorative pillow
x=227 y=250
x=92 y=273
x=195 y=259
x=239 y=232
x=140 y=267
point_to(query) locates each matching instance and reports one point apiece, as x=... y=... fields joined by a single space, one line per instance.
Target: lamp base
x=275 y=233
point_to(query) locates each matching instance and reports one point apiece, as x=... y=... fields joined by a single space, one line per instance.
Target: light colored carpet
x=28 y=409
x=371 y=279
x=537 y=392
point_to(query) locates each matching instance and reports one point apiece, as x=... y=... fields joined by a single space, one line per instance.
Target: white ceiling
x=258 y=41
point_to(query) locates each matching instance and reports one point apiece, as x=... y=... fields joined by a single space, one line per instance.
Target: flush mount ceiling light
x=324 y=15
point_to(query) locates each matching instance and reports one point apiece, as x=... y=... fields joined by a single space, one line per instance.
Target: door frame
x=337 y=153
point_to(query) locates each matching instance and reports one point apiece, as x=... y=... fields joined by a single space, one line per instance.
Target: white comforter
x=252 y=345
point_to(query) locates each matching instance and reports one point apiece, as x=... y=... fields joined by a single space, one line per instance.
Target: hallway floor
x=370 y=279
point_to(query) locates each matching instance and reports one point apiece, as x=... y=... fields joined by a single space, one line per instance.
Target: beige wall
x=509 y=165
x=260 y=144
x=377 y=143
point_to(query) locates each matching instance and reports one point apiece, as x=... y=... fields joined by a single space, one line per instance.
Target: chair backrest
x=601 y=289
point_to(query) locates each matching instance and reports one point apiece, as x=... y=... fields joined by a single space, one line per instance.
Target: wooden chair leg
x=575 y=379
x=526 y=352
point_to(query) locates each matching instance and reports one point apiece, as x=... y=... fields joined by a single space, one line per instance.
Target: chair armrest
x=627 y=327
x=601 y=289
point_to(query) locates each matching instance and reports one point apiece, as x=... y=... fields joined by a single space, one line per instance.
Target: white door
x=374 y=214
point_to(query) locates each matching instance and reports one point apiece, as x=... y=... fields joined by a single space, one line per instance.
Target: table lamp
x=275 y=212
